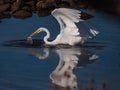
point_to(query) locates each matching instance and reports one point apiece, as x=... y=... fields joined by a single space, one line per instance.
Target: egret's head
x=35 y=32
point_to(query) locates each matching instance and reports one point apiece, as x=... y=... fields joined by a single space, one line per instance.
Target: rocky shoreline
x=25 y=8
x=109 y=6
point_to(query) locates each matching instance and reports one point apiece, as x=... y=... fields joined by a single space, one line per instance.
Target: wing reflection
x=70 y=58
x=63 y=74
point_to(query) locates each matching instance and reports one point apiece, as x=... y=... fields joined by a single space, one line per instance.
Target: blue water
x=95 y=67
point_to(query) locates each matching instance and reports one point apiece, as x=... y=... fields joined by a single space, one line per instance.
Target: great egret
x=69 y=33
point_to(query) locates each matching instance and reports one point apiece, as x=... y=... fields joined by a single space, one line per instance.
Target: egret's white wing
x=66 y=17
x=72 y=14
x=69 y=32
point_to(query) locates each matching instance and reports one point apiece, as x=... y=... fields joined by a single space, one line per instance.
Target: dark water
x=95 y=66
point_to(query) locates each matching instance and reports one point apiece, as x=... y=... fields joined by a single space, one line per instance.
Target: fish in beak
x=29 y=38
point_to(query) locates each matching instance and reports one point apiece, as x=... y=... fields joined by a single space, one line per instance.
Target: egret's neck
x=47 y=36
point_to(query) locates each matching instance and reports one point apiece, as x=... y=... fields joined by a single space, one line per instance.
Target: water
x=94 y=66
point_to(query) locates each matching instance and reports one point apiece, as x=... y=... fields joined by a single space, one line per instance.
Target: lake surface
x=95 y=66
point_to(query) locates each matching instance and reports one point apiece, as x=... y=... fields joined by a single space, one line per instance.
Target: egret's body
x=61 y=38
x=69 y=32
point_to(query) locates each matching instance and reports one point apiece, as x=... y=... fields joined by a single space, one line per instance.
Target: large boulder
x=41 y=5
x=46 y=4
x=31 y=4
x=42 y=13
x=22 y=14
x=17 y=5
x=4 y=7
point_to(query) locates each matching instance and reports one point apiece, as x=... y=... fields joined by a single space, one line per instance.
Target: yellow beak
x=34 y=33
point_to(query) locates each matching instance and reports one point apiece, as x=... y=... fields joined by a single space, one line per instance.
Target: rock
x=4 y=7
x=118 y=9
x=65 y=3
x=51 y=4
x=46 y=4
x=17 y=5
x=41 y=5
x=5 y=14
x=71 y=3
x=22 y=14
x=6 y=1
x=11 y=1
x=31 y=4
x=43 y=13
x=2 y=2
x=27 y=8
x=27 y=0
x=61 y=3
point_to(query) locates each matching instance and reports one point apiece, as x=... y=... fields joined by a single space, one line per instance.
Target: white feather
x=94 y=32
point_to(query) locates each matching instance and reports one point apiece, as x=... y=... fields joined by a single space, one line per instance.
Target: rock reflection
x=69 y=58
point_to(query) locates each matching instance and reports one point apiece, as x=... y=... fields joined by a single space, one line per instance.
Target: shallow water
x=94 y=66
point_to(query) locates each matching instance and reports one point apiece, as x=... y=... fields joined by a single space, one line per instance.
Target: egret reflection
x=69 y=58
x=44 y=55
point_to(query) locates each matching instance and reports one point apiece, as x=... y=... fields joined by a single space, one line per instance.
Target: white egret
x=69 y=32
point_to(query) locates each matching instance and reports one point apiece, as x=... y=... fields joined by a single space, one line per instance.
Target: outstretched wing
x=66 y=17
x=69 y=32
